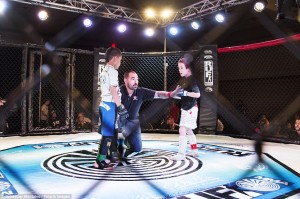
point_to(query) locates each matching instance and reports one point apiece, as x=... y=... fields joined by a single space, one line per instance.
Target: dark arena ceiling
x=20 y=24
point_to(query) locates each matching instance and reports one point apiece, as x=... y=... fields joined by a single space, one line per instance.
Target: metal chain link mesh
x=11 y=69
x=260 y=81
x=83 y=88
x=263 y=81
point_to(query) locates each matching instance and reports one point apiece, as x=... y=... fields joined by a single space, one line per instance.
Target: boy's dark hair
x=112 y=52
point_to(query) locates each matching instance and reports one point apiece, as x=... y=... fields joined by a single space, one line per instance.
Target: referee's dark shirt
x=134 y=102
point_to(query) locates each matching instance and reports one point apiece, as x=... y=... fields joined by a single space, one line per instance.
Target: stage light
x=220 y=17
x=122 y=28
x=173 y=31
x=195 y=25
x=50 y=47
x=2 y=6
x=43 y=15
x=149 y=32
x=150 y=13
x=260 y=5
x=87 y=22
x=166 y=13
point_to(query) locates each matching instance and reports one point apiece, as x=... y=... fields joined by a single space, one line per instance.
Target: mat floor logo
x=150 y=164
x=250 y=187
x=6 y=187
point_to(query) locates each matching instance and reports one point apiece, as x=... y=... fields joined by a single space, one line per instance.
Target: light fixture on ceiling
x=260 y=5
x=220 y=17
x=122 y=28
x=166 y=13
x=149 y=32
x=87 y=22
x=195 y=25
x=43 y=15
x=173 y=30
x=150 y=13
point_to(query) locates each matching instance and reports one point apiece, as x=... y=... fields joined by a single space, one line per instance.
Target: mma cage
x=237 y=84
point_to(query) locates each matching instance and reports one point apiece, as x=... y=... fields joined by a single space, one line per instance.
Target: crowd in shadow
x=49 y=118
x=289 y=129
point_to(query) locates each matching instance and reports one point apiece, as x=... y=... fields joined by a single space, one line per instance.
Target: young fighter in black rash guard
x=189 y=93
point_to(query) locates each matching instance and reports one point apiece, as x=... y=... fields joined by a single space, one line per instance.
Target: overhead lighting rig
x=106 y=10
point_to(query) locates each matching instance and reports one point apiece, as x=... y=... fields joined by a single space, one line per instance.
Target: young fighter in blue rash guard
x=110 y=105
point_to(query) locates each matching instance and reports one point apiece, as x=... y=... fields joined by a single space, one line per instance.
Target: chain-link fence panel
x=262 y=81
x=49 y=98
x=157 y=71
x=82 y=91
x=11 y=57
x=150 y=69
x=252 y=82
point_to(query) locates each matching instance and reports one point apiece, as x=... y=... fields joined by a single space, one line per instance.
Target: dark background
x=21 y=24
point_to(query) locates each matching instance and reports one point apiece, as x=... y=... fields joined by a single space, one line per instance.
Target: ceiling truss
x=97 y=8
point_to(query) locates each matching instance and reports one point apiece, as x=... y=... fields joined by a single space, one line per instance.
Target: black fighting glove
x=122 y=111
x=123 y=114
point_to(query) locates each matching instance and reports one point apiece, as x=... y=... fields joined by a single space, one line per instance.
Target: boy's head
x=113 y=57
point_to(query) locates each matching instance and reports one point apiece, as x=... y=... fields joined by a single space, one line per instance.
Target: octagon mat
x=64 y=170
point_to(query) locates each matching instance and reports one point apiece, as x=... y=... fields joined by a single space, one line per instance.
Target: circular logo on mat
x=258 y=185
x=150 y=164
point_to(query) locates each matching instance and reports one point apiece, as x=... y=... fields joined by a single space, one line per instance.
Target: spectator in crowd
x=12 y=126
x=51 y=109
x=171 y=123
x=44 y=119
x=2 y=120
x=2 y=101
x=54 y=121
x=241 y=107
x=220 y=126
x=144 y=123
x=297 y=123
x=263 y=123
x=82 y=122
x=174 y=111
x=287 y=131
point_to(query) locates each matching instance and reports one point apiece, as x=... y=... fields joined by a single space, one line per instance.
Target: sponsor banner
x=208 y=73
x=209 y=88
